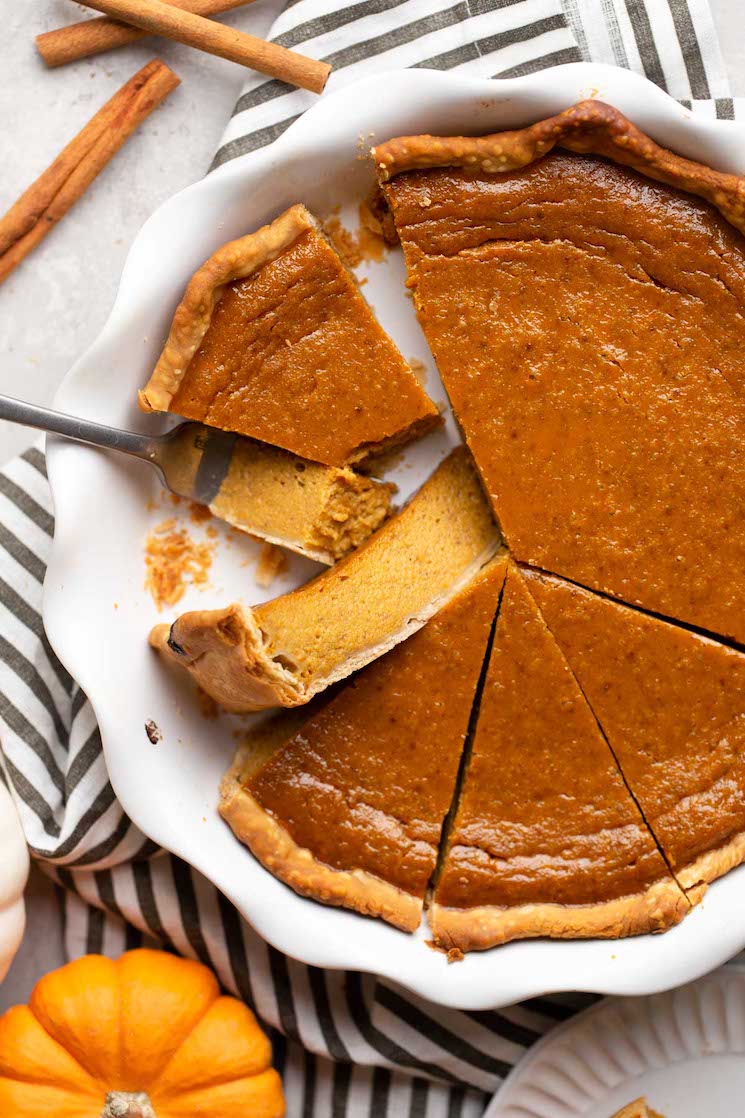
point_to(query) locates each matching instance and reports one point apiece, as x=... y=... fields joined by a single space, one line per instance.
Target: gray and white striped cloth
x=348 y=1045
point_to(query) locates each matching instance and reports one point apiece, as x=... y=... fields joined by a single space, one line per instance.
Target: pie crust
x=546 y=839
x=275 y=848
x=661 y=906
x=292 y=356
x=285 y=651
x=292 y=792
x=671 y=704
x=589 y=324
x=234 y=261
x=588 y=127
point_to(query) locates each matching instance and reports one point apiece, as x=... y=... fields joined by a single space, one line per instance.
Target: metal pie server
x=192 y=459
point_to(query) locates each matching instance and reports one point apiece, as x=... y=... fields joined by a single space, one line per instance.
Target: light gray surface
x=52 y=310
x=56 y=302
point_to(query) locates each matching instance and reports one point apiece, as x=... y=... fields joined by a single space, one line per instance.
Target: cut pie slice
x=274 y=340
x=348 y=807
x=283 y=652
x=589 y=327
x=323 y=512
x=546 y=840
x=672 y=706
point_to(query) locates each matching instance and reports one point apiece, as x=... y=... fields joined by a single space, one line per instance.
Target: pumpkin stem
x=127 y=1104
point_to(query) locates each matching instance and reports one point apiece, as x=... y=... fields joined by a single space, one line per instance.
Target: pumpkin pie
x=583 y=293
x=546 y=839
x=274 y=340
x=348 y=807
x=323 y=512
x=672 y=706
x=285 y=651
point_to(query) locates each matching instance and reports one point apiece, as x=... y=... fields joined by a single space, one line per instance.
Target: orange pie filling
x=589 y=327
x=274 y=340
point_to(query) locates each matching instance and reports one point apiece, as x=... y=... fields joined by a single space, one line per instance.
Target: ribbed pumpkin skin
x=147 y=1022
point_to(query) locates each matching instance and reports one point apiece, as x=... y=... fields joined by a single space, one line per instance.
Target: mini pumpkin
x=13 y=875
x=146 y=1036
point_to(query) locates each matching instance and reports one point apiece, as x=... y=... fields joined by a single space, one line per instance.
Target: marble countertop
x=51 y=312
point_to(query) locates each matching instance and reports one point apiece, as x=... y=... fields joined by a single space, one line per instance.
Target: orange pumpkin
x=147 y=1036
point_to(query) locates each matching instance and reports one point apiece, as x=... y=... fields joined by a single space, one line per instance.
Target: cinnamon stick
x=206 y=34
x=39 y=209
x=93 y=36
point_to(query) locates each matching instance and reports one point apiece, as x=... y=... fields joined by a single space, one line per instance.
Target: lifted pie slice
x=589 y=327
x=348 y=807
x=672 y=706
x=285 y=651
x=323 y=512
x=274 y=340
x=546 y=840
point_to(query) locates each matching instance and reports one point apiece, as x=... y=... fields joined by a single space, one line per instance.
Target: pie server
x=192 y=459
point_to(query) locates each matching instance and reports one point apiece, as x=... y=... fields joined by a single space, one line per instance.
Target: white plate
x=685 y=1051
x=101 y=502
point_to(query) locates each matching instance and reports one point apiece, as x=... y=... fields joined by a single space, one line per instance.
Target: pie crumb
x=419 y=369
x=153 y=732
x=272 y=562
x=173 y=561
x=453 y=955
x=369 y=243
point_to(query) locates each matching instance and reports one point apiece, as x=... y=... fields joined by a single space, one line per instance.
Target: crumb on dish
x=173 y=561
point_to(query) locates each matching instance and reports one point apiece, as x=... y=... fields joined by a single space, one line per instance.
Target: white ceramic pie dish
x=98 y=614
x=683 y=1050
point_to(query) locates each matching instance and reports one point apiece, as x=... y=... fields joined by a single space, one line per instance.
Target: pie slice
x=283 y=652
x=672 y=706
x=348 y=807
x=323 y=512
x=274 y=340
x=589 y=327
x=546 y=840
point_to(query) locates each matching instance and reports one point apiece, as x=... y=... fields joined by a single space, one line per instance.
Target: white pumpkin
x=14 y=865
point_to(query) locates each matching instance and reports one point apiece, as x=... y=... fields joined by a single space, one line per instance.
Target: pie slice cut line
x=347 y=804
x=672 y=705
x=546 y=840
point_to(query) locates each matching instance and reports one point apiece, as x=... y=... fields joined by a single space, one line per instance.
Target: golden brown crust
x=234 y=261
x=224 y=650
x=297 y=867
x=588 y=127
x=285 y=651
x=475 y=929
x=711 y=865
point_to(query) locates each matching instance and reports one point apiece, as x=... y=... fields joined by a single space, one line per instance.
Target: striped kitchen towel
x=348 y=1045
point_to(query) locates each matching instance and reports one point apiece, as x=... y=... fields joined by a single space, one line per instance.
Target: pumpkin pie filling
x=589 y=326
x=323 y=512
x=672 y=706
x=273 y=340
x=546 y=839
x=285 y=651
x=348 y=806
